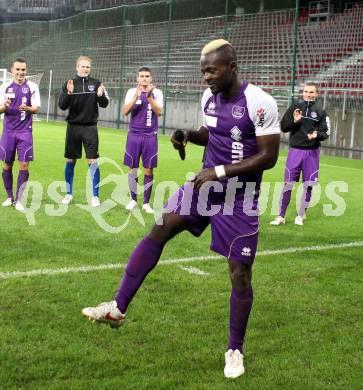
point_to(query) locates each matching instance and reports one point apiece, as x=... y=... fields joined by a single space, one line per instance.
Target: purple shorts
x=234 y=236
x=144 y=146
x=305 y=161
x=12 y=142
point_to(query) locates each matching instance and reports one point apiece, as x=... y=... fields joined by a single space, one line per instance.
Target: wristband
x=220 y=171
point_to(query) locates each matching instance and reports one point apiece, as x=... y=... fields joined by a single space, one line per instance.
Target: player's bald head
x=221 y=49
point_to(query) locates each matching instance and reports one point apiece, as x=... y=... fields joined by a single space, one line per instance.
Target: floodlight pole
x=49 y=92
x=167 y=62
x=226 y=10
x=294 y=62
x=122 y=66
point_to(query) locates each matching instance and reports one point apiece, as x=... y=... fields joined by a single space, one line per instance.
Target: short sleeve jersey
x=143 y=119
x=26 y=93
x=235 y=124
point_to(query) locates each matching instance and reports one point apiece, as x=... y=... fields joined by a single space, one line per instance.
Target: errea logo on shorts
x=246 y=251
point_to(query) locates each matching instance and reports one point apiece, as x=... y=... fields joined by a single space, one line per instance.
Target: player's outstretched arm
x=198 y=137
x=180 y=138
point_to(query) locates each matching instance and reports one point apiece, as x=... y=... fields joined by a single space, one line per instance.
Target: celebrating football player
x=242 y=134
x=19 y=100
x=145 y=103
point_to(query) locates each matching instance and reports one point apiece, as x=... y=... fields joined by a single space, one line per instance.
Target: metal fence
x=277 y=50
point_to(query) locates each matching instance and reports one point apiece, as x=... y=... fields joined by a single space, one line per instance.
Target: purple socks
x=305 y=200
x=142 y=260
x=132 y=178
x=240 y=308
x=8 y=182
x=22 y=179
x=148 y=185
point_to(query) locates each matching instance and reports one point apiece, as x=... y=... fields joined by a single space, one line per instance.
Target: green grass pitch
x=305 y=327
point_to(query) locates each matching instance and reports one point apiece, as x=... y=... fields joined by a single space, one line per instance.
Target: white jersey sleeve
x=158 y=97
x=2 y=94
x=34 y=89
x=206 y=95
x=130 y=95
x=263 y=111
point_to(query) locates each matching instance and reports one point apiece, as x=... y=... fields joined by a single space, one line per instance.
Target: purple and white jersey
x=26 y=93
x=143 y=119
x=234 y=125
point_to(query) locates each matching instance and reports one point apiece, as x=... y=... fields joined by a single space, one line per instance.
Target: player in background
x=241 y=129
x=307 y=124
x=19 y=100
x=82 y=96
x=145 y=104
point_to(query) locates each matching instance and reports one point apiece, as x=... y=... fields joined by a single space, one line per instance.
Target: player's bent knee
x=171 y=226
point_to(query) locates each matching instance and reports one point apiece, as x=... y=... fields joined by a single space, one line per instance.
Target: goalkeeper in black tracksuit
x=82 y=96
x=307 y=124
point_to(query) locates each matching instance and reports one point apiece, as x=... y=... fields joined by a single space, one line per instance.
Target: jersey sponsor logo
x=246 y=251
x=237 y=152
x=10 y=95
x=236 y=133
x=211 y=109
x=149 y=114
x=313 y=114
x=10 y=90
x=91 y=88
x=238 y=112
x=25 y=90
x=261 y=113
x=23 y=113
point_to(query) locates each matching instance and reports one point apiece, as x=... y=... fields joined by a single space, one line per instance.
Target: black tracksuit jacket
x=313 y=118
x=83 y=103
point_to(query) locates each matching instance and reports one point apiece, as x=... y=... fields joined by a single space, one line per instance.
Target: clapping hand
x=312 y=135
x=101 y=90
x=297 y=115
x=70 y=87
x=149 y=89
x=23 y=107
x=7 y=103
x=138 y=90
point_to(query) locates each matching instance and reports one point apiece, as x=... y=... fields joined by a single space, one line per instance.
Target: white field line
x=193 y=270
x=340 y=166
x=100 y=267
